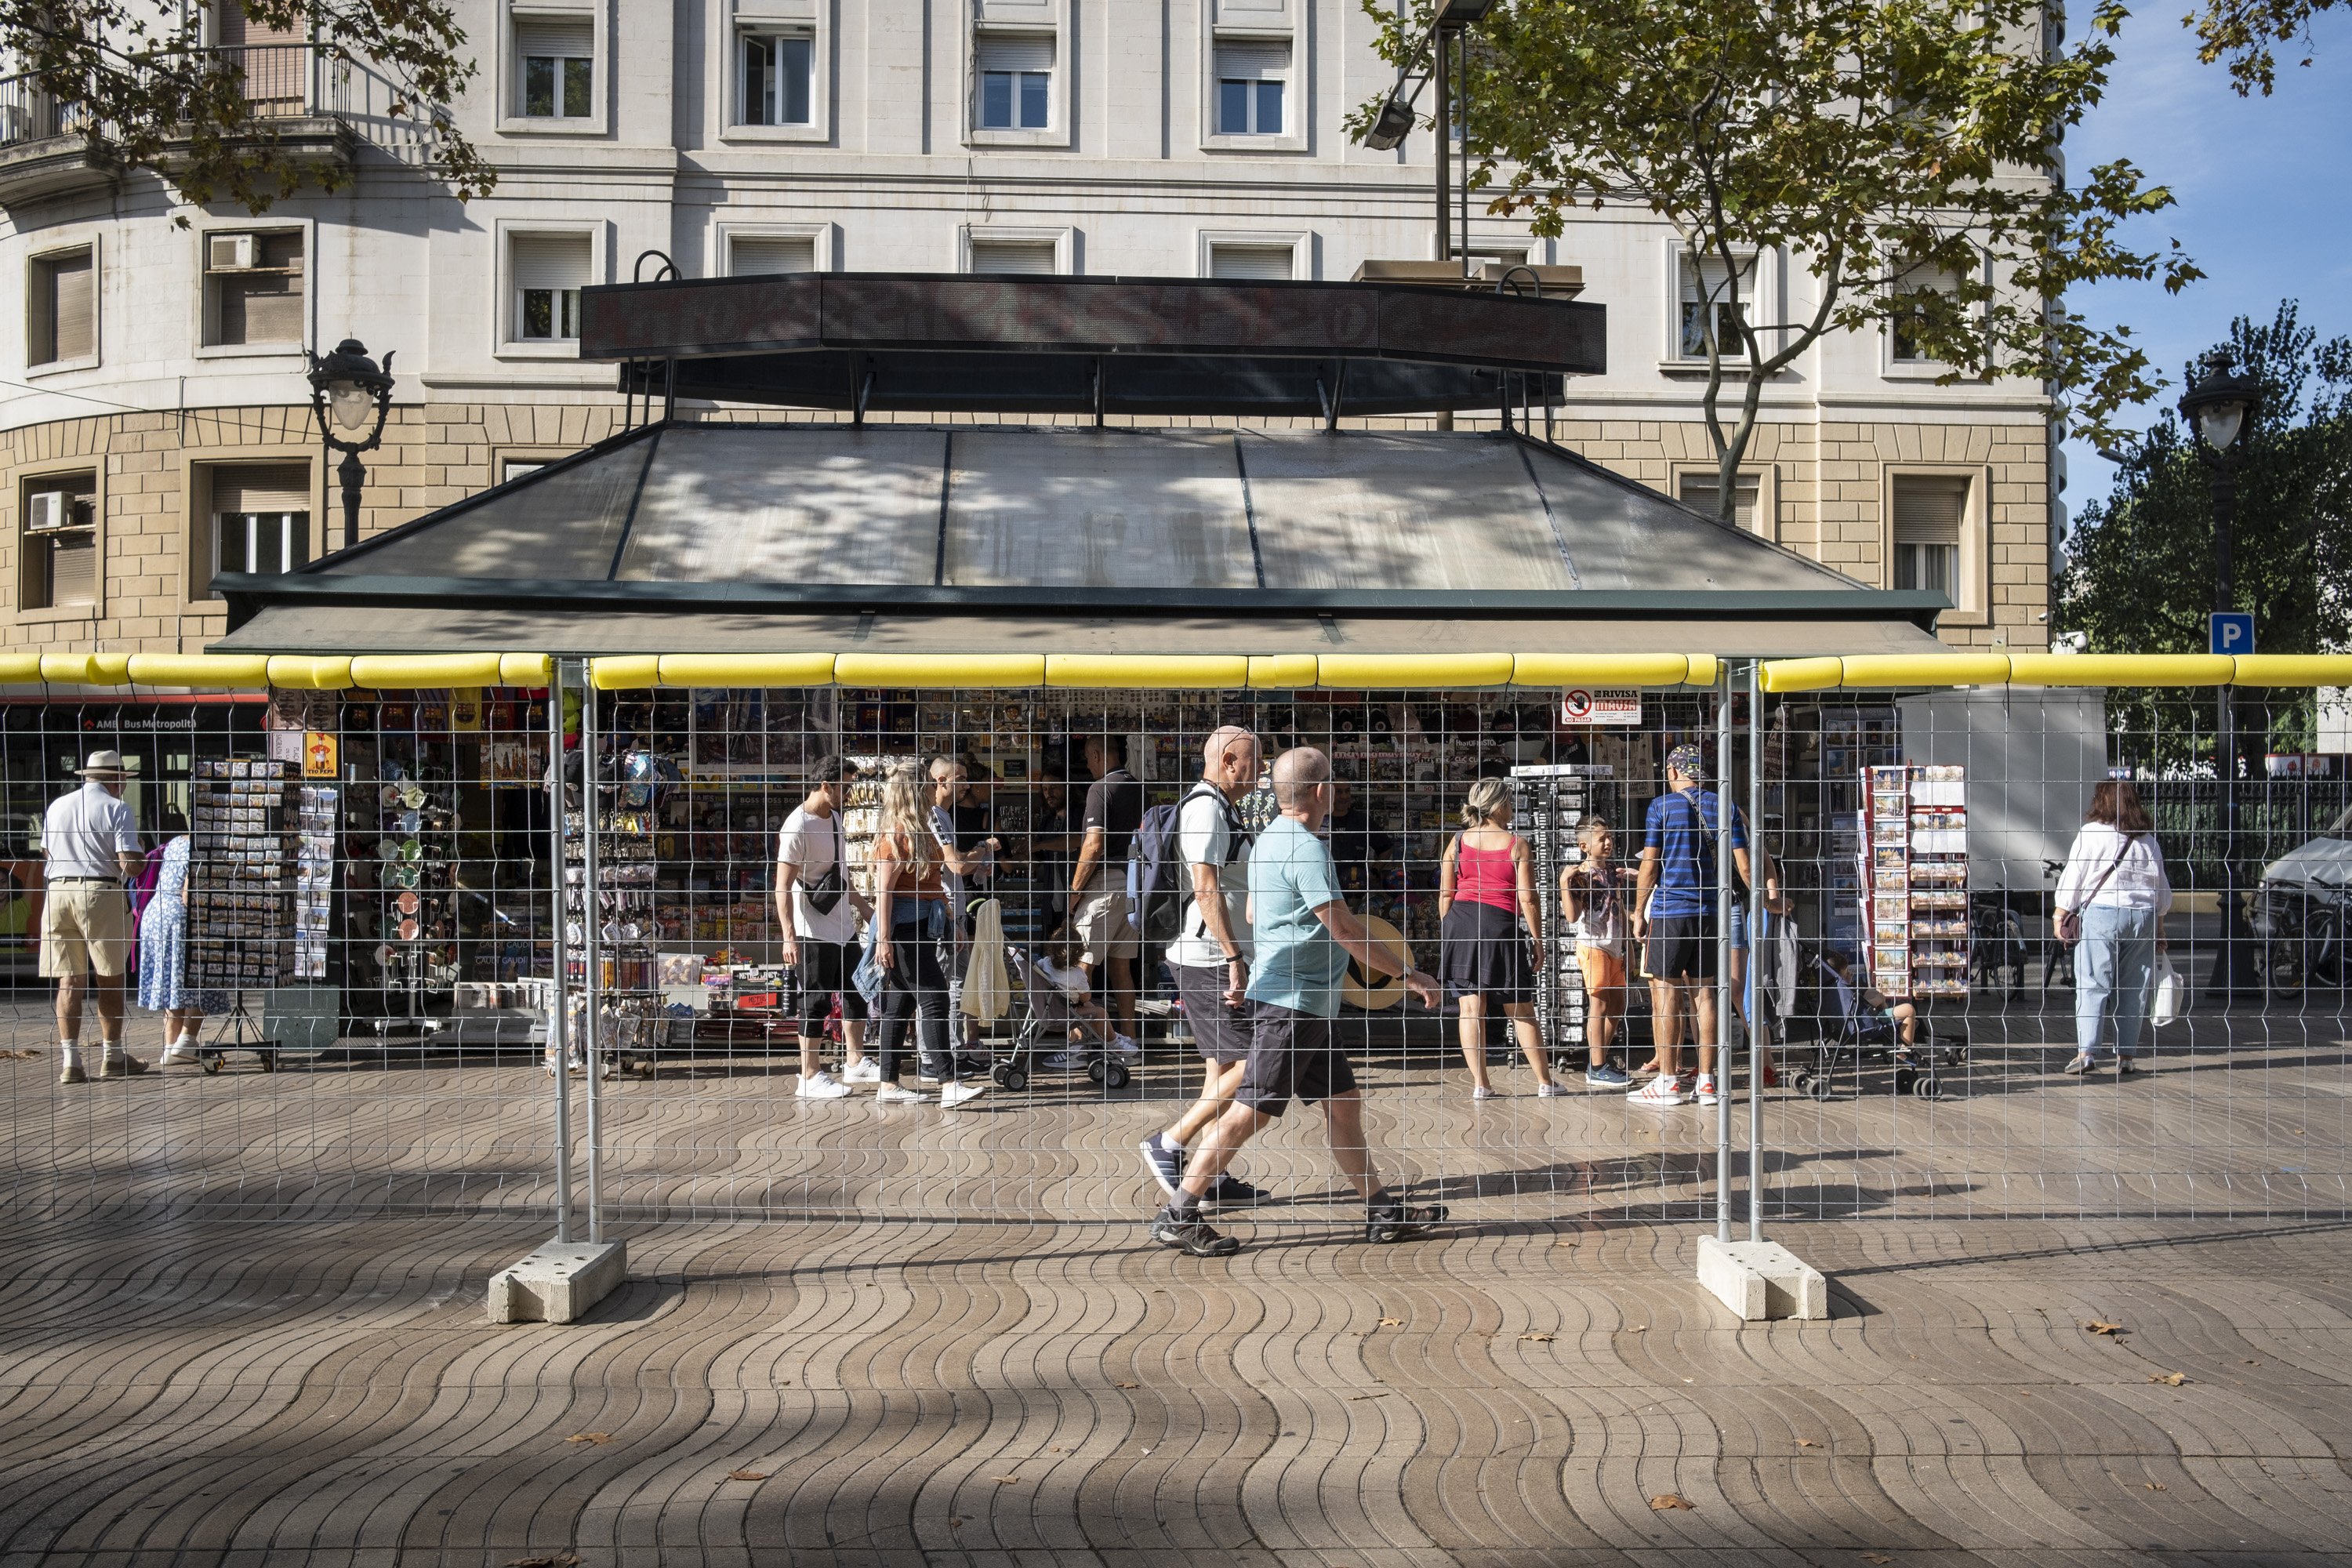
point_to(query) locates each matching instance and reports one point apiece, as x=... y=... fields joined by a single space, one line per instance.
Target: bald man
x=1303 y=935
x=1210 y=958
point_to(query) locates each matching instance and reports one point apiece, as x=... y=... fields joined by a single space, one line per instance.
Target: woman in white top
x=2115 y=887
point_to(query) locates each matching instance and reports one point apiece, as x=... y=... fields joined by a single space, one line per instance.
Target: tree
x=1901 y=152
x=2245 y=32
x=137 y=81
x=2140 y=573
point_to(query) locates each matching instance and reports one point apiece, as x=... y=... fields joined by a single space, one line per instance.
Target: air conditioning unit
x=48 y=510
x=228 y=253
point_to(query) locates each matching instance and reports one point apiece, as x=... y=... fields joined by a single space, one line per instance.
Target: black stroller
x=1854 y=1034
x=1043 y=1016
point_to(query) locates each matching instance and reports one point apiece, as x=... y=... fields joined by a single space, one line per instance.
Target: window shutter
x=73 y=570
x=549 y=260
x=271 y=490
x=1705 y=278
x=760 y=256
x=238 y=29
x=1699 y=492
x=1252 y=262
x=1928 y=508
x=567 y=38
x=74 y=305
x=1253 y=59
x=1012 y=257
x=1013 y=51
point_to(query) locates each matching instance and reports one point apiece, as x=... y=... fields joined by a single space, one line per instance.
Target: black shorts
x=1292 y=1056
x=1680 y=947
x=1221 y=1033
x=826 y=969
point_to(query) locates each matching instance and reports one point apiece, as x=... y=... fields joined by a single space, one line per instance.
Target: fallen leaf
x=747 y=1475
x=1004 y=1480
x=1639 y=1329
x=1059 y=1450
x=589 y=1437
x=955 y=1522
x=1666 y=1501
x=1539 y=1339
x=1130 y=1385
x=2254 y=1363
x=2097 y=1327
x=2157 y=1487
x=1876 y=1557
x=2175 y=1378
x=1565 y=1241
x=1807 y=1443
x=1392 y=1322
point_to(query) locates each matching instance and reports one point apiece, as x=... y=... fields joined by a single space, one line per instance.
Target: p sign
x=1587 y=705
x=2231 y=631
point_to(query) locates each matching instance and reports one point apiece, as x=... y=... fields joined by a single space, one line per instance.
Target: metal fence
x=384 y=887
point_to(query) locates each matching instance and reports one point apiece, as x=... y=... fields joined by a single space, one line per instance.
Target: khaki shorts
x=1100 y=922
x=85 y=927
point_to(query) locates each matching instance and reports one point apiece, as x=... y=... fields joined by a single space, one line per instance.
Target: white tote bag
x=2171 y=994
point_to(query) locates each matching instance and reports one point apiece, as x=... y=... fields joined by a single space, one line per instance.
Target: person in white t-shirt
x=89 y=849
x=819 y=910
x=1209 y=959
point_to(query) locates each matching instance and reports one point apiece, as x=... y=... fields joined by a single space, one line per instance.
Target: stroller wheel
x=1925 y=1086
x=1114 y=1074
x=1904 y=1080
x=1820 y=1087
x=266 y=1061
x=1099 y=1069
x=211 y=1062
x=1016 y=1078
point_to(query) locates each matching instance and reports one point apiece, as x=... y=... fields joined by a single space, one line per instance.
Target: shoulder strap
x=2112 y=867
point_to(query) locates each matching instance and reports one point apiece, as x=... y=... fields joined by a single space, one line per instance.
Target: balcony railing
x=281 y=81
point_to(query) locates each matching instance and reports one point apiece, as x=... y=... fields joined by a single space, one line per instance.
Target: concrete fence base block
x=1761 y=1279
x=559 y=1282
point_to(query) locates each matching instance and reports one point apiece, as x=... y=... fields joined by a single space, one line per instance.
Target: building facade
x=157 y=427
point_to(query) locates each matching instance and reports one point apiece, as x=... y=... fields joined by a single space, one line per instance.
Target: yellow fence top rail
x=2061 y=669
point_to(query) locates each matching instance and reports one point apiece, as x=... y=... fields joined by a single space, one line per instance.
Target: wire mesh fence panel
x=373 y=900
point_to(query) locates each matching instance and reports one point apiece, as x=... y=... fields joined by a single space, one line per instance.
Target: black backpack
x=1158 y=886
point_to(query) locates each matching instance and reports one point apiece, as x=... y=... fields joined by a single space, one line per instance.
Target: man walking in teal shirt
x=1304 y=935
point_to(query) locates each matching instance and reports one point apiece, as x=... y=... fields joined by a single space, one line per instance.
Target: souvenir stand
x=1548 y=802
x=246 y=815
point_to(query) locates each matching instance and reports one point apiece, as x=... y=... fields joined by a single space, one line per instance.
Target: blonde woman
x=911 y=922
x=1485 y=890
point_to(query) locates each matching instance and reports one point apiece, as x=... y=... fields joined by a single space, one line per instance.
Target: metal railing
x=279 y=82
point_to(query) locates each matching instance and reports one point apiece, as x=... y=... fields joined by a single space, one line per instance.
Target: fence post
x=559 y=1017
x=1724 y=1013
x=592 y=947
x=1757 y=924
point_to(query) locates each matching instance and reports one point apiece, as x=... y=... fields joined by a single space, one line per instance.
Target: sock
x=1183 y=1205
x=111 y=1049
x=1177 y=1145
x=70 y=1048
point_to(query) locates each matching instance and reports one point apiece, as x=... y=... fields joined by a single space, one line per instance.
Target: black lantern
x=352 y=395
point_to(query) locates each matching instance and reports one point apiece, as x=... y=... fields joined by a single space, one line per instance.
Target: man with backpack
x=1199 y=845
x=1676 y=919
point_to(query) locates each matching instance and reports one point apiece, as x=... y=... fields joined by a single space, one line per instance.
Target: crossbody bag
x=2069 y=922
x=826 y=891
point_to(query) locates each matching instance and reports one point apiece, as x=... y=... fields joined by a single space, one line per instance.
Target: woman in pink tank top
x=1485 y=890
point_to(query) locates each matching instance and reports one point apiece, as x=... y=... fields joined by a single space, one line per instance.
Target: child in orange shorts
x=1591 y=894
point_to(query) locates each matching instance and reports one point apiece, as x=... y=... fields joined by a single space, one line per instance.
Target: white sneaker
x=864 y=1069
x=898 y=1094
x=1068 y=1062
x=1125 y=1045
x=822 y=1086
x=1661 y=1091
x=1553 y=1090
x=954 y=1094
x=181 y=1052
x=1706 y=1095
x=1482 y=1091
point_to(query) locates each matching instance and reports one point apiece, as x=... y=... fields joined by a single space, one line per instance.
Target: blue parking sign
x=2231 y=631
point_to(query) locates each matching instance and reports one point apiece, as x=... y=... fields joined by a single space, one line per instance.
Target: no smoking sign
x=1600 y=705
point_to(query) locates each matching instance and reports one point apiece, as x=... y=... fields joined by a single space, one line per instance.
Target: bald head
x=1295 y=773
x=1229 y=760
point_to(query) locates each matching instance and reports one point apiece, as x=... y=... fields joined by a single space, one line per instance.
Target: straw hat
x=103 y=764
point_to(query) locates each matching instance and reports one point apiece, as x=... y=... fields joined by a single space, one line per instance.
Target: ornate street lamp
x=2219 y=407
x=352 y=395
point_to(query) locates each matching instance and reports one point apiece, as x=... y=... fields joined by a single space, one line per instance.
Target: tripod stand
x=239 y=1030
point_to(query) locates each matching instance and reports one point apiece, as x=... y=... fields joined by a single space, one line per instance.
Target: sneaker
x=864 y=1069
x=2126 y=1066
x=1166 y=1165
x=122 y=1064
x=181 y=1052
x=1706 y=1095
x=1552 y=1090
x=1396 y=1222
x=1192 y=1234
x=1607 y=1077
x=2082 y=1066
x=71 y=1072
x=1125 y=1045
x=1660 y=1091
x=1229 y=1189
x=1069 y=1061
x=954 y=1094
x=898 y=1094
x=822 y=1085
x=1482 y=1091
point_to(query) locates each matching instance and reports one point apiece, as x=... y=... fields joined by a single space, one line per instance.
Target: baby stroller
x=1854 y=1033
x=1043 y=1016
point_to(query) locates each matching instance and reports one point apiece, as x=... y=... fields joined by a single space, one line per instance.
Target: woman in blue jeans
x=2115 y=895
x=910 y=923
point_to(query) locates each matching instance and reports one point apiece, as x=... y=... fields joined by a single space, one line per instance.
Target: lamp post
x=2219 y=407
x=352 y=395
x=1451 y=51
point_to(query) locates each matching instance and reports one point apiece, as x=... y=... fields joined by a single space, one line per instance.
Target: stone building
x=156 y=429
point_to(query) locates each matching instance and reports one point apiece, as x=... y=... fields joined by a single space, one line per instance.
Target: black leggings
x=916 y=989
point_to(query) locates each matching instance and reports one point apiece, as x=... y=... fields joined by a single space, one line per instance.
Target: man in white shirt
x=1209 y=959
x=818 y=911
x=89 y=847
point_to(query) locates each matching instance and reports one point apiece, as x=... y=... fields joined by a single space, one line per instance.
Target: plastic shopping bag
x=2171 y=994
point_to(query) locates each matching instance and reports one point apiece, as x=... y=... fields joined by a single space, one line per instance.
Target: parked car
x=2303 y=915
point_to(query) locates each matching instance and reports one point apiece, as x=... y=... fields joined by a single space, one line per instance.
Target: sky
x=2264 y=188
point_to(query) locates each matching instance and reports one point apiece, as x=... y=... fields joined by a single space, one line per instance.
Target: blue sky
x=2264 y=187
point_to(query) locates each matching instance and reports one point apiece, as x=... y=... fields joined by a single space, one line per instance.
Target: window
x=763 y=255
x=514 y=468
x=778 y=72
x=1920 y=281
x=252 y=288
x=557 y=59
x=1015 y=74
x=1928 y=509
x=61 y=308
x=548 y=270
x=60 y=530
x=1701 y=493
x=1252 y=262
x=1705 y=283
x=261 y=517
x=1012 y=258
x=1252 y=76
